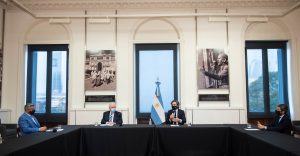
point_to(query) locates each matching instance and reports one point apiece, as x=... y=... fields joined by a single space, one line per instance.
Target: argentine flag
x=157 y=110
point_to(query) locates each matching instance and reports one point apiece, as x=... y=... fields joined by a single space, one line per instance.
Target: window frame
x=154 y=46
x=282 y=69
x=47 y=117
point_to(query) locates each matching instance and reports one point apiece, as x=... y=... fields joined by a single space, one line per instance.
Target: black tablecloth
x=127 y=140
x=253 y=143
x=206 y=140
x=145 y=140
x=61 y=143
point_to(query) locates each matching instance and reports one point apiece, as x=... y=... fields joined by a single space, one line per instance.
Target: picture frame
x=212 y=69
x=100 y=70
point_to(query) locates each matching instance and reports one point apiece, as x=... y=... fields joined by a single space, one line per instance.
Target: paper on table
x=106 y=124
x=251 y=129
x=51 y=130
x=58 y=130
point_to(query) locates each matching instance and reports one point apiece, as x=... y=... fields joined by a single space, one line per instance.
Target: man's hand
x=260 y=126
x=43 y=129
x=176 y=120
x=110 y=123
x=172 y=116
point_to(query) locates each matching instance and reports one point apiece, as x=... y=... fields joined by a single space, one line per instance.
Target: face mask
x=113 y=110
x=277 y=112
x=174 y=107
x=32 y=112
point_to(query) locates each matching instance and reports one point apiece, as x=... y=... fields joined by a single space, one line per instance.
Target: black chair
x=2 y=131
x=11 y=130
x=296 y=127
x=8 y=130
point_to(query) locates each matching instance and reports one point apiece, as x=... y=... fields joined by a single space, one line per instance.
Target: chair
x=3 y=132
x=18 y=132
x=8 y=131
x=296 y=128
x=143 y=120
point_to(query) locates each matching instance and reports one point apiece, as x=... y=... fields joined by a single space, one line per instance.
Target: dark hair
x=283 y=107
x=177 y=102
x=28 y=105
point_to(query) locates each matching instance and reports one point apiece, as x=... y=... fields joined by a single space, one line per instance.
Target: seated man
x=112 y=116
x=281 y=123
x=175 y=115
x=28 y=123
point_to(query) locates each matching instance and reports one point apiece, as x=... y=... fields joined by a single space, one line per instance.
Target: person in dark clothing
x=281 y=123
x=175 y=115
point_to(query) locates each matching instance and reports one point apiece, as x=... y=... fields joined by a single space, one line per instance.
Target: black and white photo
x=100 y=70
x=212 y=69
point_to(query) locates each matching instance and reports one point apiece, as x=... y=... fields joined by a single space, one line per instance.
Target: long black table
x=48 y=143
x=207 y=140
x=145 y=140
x=253 y=143
x=131 y=140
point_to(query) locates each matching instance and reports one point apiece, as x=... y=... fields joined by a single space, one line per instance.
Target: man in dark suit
x=28 y=123
x=112 y=116
x=175 y=115
x=281 y=123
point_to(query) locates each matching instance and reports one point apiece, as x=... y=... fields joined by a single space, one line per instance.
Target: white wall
x=22 y=29
x=292 y=23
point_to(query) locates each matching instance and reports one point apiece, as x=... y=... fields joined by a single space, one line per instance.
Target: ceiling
x=58 y=8
x=145 y=4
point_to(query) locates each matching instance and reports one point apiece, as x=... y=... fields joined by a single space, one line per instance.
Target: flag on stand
x=157 y=110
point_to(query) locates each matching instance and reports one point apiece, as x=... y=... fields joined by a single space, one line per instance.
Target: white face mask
x=113 y=110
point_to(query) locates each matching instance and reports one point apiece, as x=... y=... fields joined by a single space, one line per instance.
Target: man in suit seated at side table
x=28 y=123
x=175 y=116
x=112 y=116
x=281 y=123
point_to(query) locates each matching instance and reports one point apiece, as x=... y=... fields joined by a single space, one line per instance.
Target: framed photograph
x=212 y=69
x=100 y=70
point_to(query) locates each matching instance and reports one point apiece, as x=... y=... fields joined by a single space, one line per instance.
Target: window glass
x=153 y=66
x=59 y=77
x=40 y=66
x=255 y=80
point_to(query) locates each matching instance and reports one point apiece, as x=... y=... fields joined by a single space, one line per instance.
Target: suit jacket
x=117 y=117
x=283 y=126
x=180 y=115
x=27 y=125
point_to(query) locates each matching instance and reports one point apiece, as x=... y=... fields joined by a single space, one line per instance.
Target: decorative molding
x=146 y=4
x=218 y=19
x=59 y=20
x=257 y=19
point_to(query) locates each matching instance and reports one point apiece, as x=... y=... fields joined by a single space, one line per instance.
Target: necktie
x=33 y=120
x=279 y=119
x=110 y=118
x=175 y=116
